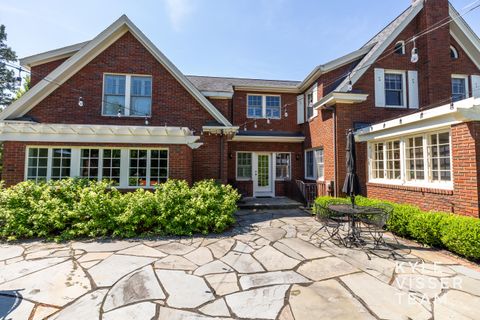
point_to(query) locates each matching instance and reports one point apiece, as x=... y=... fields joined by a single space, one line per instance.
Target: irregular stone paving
x=272 y=265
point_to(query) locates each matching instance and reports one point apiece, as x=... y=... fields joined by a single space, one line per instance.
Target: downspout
x=221 y=157
x=334 y=110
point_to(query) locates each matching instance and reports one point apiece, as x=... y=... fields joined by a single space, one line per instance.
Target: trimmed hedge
x=459 y=234
x=73 y=208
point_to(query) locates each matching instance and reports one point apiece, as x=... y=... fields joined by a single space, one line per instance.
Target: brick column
x=466 y=166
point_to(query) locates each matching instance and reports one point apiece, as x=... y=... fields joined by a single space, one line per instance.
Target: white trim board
x=241 y=138
x=88 y=52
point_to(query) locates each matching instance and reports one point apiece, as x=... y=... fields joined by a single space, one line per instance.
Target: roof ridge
x=240 y=78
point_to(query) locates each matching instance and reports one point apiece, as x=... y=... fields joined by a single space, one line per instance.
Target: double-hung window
x=314 y=164
x=394 y=89
x=244 y=166
x=263 y=106
x=309 y=104
x=415 y=159
x=459 y=88
x=282 y=166
x=127 y=95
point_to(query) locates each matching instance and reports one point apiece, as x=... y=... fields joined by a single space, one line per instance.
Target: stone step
x=268 y=203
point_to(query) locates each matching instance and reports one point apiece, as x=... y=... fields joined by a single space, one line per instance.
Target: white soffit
x=43 y=132
x=340 y=97
x=422 y=121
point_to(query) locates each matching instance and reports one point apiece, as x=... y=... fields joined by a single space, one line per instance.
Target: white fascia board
x=29 y=132
x=340 y=97
x=217 y=94
x=268 y=89
x=332 y=65
x=52 y=55
x=90 y=51
x=379 y=48
x=242 y=138
x=422 y=121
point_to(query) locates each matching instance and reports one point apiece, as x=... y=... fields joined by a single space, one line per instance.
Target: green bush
x=72 y=208
x=456 y=233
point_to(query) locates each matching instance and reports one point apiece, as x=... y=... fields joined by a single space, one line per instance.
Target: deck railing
x=311 y=190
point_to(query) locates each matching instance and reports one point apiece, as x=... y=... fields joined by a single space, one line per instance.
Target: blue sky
x=274 y=39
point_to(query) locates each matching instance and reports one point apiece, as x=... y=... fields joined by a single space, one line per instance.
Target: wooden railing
x=311 y=190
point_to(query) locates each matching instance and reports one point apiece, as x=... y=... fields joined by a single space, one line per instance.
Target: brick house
x=116 y=108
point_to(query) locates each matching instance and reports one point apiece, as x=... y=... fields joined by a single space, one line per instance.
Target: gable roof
x=52 y=55
x=87 y=53
x=227 y=84
x=464 y=35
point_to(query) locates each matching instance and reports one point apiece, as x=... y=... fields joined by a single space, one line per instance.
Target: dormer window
x=400 y=47
x=127 y=95
x=453 y=53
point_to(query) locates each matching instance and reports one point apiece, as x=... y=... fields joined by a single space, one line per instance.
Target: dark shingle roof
x=225 y=84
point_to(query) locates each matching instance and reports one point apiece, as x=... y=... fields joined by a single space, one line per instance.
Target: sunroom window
x=439 y=157
x=415 y=159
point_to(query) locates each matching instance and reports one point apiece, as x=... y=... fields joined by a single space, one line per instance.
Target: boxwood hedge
x=74 y=208
x=459 y=234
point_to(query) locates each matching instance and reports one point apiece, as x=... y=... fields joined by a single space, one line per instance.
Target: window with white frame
x=309 y=104
x=439 y=157
x=394 y=89
x=142 y=167
x=263 y=106
x=244 y=166
x=421 y=159
x=459 y=88
x=314 y=164
x=61 y=160
x=128 y=95
x=283 y=166
x=400 y=47
x=37 y=164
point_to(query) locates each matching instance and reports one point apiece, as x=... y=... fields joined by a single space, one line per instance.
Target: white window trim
x=314 y=100
x=75 y=162
x=403 y=47
x=128 y=82
x=264 y=106
x=237 y=178
x=404 y=86
x=315 y=176
x=446 y=185
x=289 y=167
x=455 y=52
x=467 y=87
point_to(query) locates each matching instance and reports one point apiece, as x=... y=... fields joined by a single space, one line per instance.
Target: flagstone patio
x=268 y=267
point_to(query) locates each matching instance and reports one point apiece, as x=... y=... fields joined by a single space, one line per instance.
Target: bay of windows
x=123 y=167
x=128 y=95
x=417 y=159
x=263 y=106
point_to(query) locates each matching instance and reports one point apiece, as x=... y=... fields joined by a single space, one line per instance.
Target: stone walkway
x=268 y=267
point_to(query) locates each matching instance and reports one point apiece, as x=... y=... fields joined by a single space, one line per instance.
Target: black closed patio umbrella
x=351 y=186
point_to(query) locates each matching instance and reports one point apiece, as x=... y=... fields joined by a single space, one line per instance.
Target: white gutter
x=242 y=138
x=340 y=97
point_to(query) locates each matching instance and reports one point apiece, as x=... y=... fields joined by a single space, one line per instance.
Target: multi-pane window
x=263 y=106
x=89 y=163
x=137 y=101
x=393 y=160
x=158 y=167
x=459 y=89
x=378 y=165
x=309 y=165
x=114 y=94
x=414 y=158
x=319 y=164
x=138 y=168
x=37 y=164
x=61 y=163
x=111 y=159
x=309 y=104
x=141 y=96
x=255 y=106
x=283 y=166
x=439 y=157
x=394 y=90
x=244 y=165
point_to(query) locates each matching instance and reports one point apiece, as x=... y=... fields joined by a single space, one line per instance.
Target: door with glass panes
x=262 y=175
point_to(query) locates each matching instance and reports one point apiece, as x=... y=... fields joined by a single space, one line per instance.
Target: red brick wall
x=42 y=70
x=246 y=187
x=288 y=124
x=179 y=158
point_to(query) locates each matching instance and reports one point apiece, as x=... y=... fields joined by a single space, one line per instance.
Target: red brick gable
x=172 y=104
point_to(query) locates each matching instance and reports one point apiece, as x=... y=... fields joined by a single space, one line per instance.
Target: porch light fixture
x=146 y=121
x=245 y=128
x=414 y=58
x=286 y=112
x=255 y=124
x=80 y=101
x=268 y=120
x=119 y=113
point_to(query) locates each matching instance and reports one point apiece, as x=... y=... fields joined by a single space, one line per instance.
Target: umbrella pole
x=352 y=198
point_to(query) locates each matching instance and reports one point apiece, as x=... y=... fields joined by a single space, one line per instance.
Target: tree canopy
x=7 y=75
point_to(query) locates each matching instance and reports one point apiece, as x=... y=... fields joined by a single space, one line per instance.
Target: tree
x=24 y=88
x=7 y=75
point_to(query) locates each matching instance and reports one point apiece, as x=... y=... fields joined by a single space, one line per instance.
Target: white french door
x=262 y=175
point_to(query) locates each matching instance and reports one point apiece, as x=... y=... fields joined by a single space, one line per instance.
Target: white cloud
x=179 y=11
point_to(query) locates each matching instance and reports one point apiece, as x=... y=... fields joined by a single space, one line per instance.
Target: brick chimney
x=434 y=51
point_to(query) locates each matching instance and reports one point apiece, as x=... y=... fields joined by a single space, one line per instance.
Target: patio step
x=268 y=203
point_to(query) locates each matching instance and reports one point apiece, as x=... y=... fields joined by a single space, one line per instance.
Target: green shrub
x=73 y=208
x=456 y=233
